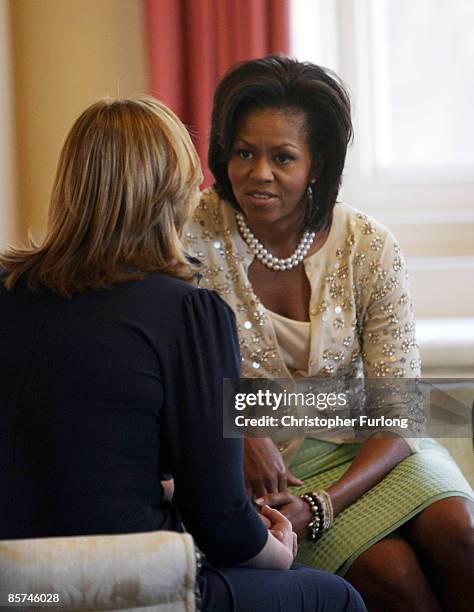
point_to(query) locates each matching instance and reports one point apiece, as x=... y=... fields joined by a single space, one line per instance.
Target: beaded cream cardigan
x=361 y=315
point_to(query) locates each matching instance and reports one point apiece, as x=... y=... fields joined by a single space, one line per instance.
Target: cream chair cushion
x=153 y=571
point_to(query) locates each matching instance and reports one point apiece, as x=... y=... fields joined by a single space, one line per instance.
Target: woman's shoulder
x=172 y=303
x=169 y=289
x=212 y=224
x=358 y=221
x=178 y=290
x=210 y=197
x=360 y=230
x=212 y=211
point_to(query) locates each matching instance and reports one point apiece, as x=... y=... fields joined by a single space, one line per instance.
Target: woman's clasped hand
x=295 y=509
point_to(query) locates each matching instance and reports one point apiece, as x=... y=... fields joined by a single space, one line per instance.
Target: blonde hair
x=127 y=180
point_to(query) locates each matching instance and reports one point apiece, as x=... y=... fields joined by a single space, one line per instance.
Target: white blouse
x=293 y=339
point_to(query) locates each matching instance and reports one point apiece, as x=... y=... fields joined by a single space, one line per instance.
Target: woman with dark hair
x=320 y=290
x=112 y=371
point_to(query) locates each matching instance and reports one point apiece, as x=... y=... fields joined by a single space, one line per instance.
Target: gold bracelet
x=327 y=509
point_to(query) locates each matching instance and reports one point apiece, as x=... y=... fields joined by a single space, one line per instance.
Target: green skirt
x=415 y=483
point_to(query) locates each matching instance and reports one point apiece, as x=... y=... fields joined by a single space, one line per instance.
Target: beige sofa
x=145 y=572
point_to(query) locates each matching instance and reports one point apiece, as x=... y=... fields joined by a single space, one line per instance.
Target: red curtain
x=191 y=43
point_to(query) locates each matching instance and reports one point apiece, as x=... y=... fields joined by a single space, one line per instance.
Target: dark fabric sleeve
x=209 y=487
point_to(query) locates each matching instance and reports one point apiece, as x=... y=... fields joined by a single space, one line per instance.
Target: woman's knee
x=388 y=572
x=445 y=528
x=301 y=589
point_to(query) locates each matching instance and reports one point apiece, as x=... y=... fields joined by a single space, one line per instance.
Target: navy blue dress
x=104 y=392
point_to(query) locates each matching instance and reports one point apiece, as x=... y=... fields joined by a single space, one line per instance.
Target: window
x=408 y=66
x=422 y=61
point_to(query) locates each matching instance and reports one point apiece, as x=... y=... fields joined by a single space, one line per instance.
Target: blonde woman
x=112 y=368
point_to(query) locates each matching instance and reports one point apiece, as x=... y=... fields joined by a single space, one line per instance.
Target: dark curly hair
x=280 y=82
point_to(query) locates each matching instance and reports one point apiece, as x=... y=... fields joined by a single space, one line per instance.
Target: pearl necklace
x=265 y=257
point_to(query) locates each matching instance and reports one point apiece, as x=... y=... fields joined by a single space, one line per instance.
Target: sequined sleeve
x=388 y=339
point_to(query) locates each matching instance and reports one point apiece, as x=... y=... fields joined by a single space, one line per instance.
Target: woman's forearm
x=376 y=457
x=279 y=550
x=272 y=556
